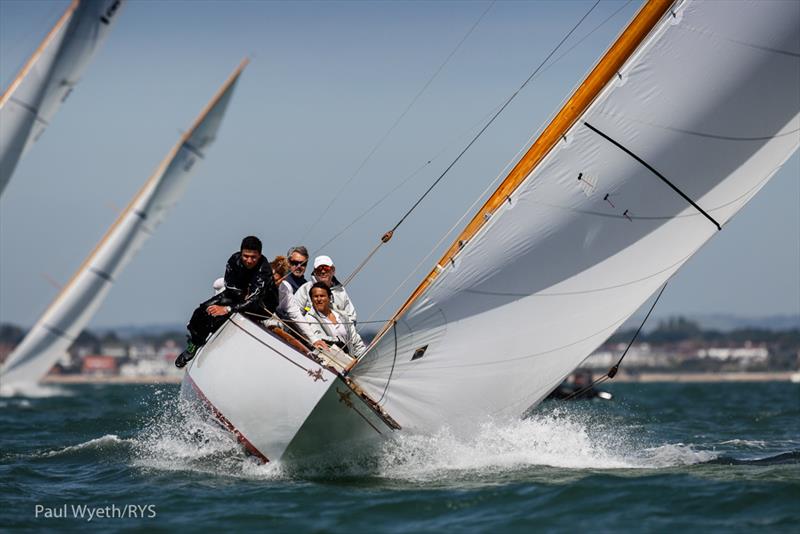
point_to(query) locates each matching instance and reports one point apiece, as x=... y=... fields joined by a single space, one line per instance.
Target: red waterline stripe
x=227 y=424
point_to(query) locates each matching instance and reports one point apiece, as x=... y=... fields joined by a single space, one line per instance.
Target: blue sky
x=326 y=82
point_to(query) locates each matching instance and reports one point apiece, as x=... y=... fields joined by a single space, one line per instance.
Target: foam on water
x=16 y=403
x=102 y=444
x=181 y=439
x=750 y=443
x=560 y=440
x=33 y=391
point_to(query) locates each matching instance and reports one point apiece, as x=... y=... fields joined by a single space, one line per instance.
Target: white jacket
x=321 y=330
x=340 y=300
x=288 y=310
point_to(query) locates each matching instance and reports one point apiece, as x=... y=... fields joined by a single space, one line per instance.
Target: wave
x=559 y=440
x=183 y=438
x=16 y=403
x=102 y=444
x=33 y=391
x=784 y=458
x=749 y=443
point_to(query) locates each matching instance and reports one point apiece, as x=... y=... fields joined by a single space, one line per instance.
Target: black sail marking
x=58 y=332
x=102 y=274
x=658 y=174
x=193 y=149
x=33 y=110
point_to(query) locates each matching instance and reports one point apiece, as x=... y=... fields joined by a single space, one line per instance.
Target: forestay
x=74 y=307
x=48 y=77
x=557 y=261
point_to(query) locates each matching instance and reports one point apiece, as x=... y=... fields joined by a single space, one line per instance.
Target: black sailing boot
x=187 y=355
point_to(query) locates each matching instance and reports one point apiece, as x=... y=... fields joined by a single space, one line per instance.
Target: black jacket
x=250 y=290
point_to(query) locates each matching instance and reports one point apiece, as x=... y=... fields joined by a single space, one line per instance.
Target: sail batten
x=74 y=306
x=579 y=240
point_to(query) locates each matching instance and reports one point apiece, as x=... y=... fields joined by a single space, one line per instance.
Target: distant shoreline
x=771 y=376
x=122 y=380
x=767 y=376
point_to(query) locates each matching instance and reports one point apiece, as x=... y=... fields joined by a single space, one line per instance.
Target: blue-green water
x=657 y=457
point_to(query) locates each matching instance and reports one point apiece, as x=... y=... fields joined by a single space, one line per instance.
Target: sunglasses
x=323 y=269
x=295 y=263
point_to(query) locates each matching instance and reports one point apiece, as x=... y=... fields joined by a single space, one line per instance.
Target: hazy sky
x=326 y=83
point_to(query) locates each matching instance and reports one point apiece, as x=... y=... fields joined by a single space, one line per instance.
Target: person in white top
x=287 y=308
x=325 y=272
x=329 y=327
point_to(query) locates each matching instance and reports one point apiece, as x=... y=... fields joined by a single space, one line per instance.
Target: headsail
x=687 y=125
x=48 y=77
x=74 y=307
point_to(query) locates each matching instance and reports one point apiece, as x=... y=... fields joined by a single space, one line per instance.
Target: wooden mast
x=608 y=67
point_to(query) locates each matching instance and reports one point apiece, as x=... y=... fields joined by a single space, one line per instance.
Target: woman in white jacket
x=330 y=327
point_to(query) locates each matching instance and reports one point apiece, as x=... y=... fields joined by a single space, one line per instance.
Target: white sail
x=74 y=307
x=48 y=77
x=585 y=229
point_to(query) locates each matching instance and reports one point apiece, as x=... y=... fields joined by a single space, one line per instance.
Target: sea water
x=695 y=457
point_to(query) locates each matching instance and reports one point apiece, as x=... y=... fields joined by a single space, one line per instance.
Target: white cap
x=323 y=260
x=219 y=286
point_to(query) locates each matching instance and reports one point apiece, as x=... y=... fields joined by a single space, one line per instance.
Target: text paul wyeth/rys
x=90 y=513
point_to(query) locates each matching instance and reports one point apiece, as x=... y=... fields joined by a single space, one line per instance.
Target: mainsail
x=74 y=307
x=48 y=77
x=683 y=120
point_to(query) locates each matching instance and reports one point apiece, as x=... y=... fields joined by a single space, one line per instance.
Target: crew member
x=249 y=287
x=328 y=326
x=298 y=261
x=325 y=272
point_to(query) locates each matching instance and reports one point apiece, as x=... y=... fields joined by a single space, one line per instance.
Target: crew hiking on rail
x=249 y=287
x=254 y=285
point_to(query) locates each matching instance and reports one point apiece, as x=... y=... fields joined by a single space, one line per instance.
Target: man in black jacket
x=249 y=287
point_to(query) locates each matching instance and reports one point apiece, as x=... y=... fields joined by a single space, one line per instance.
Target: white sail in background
x=586 y=228
x=74 y=307
x=48 y=77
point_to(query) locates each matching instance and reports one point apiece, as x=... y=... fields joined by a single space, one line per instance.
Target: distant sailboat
x=688 y=114
x=48 y=77
x=74 y=307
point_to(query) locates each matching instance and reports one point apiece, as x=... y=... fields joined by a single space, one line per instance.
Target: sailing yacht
x=49 y=76
x=681 y=122
x=81 y=297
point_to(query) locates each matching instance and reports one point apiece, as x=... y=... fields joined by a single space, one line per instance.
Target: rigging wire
x=497 y=114
x=421 y=168
x=612 y=372
x=394 y=360
x=497 y=178
x=388 y=235
x=397 y=121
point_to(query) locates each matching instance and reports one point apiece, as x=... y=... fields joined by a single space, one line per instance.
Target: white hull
x=279 y=402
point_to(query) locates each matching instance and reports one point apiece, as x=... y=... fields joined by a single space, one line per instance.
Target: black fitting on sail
x=651 y=169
